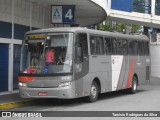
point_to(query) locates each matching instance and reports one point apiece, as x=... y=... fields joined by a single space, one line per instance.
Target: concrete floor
x=146 y=99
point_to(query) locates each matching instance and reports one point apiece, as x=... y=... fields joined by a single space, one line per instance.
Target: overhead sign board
x=63 y=14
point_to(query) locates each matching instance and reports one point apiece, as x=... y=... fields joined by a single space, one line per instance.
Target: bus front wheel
x=94 y=90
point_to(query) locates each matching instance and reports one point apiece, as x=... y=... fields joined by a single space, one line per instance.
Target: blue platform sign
x=63 y=14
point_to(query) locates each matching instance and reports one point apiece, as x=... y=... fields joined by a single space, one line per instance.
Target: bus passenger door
x=81 y=62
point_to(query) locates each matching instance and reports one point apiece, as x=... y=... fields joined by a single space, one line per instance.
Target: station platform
x=13 y=100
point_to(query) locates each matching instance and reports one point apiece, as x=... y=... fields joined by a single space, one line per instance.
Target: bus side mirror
x=79 y=53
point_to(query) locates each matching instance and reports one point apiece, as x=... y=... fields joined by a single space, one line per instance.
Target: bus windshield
x=47 y=54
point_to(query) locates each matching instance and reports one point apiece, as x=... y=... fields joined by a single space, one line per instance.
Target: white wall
x=5 y=12
x=105 y=4
x=155 y=58
x=11 y=44
x=25 y=13
x=21 y=12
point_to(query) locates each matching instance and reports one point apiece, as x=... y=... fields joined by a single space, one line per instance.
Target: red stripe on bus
x=24 y=79
x=130 y=74
x=120 y=73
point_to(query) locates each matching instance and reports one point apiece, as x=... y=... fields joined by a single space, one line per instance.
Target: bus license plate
x=42 y=93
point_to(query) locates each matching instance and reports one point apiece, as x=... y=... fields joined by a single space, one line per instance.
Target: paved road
x=146 y=99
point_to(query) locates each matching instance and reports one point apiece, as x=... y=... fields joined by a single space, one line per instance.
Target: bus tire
x=94 y=91
x=133 y=88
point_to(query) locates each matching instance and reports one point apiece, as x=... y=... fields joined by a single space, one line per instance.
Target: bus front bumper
x=59 y=92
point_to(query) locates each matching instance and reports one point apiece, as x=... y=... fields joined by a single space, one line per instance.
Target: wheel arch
x=97 y=80
x=136 y=78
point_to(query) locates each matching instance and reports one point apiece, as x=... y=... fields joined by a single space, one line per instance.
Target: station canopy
x=86 y=12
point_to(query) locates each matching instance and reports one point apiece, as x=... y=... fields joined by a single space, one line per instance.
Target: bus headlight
x=64 y=84
x=22 y=84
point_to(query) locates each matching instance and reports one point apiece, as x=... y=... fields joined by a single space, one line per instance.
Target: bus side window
x=100 y=45
x=146 y=48
x=93 y=45
x=107 y=46
x=114 y=46
x=121 y=47
x=78 y=51
x=141 y=48
x=132 y=50
x=82 y=39
x=96 y=45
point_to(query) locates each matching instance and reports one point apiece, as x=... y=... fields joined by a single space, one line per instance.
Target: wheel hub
x=93 y=91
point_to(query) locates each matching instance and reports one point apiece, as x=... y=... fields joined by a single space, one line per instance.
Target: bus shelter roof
x=86 y=12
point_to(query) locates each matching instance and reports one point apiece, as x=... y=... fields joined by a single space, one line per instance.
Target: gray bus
x=86 y=63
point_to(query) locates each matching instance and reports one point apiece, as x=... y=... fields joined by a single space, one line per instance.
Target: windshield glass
x=49 y=54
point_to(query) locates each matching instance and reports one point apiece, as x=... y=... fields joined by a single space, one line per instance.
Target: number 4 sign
x=63 y=14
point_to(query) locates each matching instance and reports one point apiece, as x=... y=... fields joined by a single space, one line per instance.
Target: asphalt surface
x=146 y=99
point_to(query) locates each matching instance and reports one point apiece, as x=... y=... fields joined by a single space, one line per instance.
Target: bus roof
x=90 y=31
